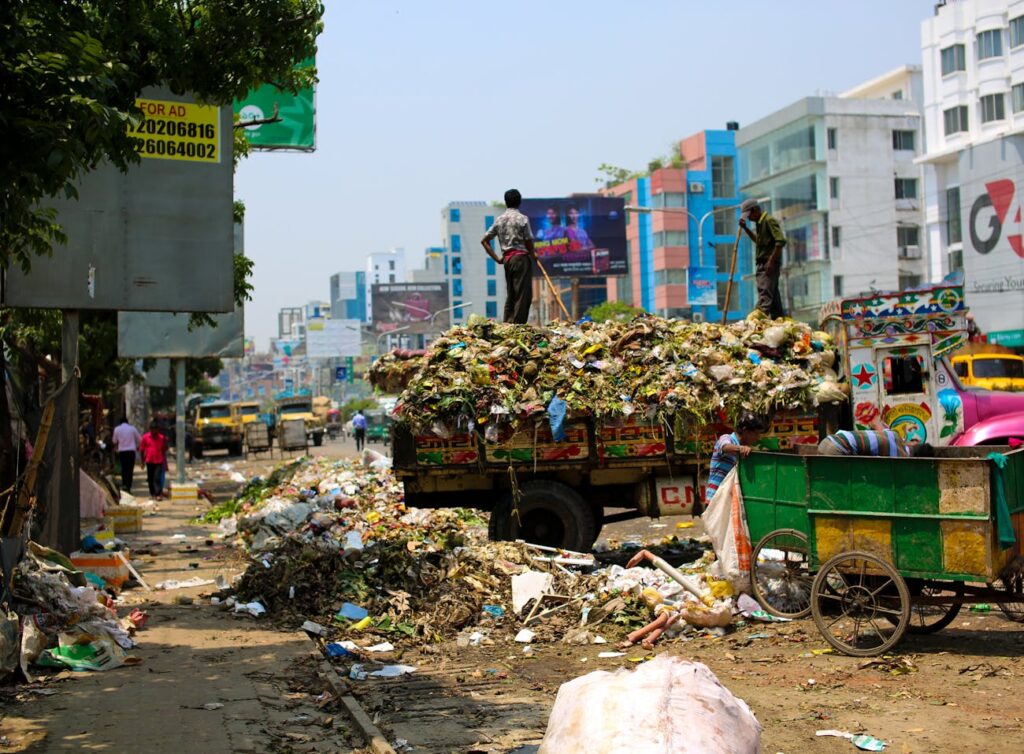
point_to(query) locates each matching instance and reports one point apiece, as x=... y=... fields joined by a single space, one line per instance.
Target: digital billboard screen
x=579 y=236
x=411 y=306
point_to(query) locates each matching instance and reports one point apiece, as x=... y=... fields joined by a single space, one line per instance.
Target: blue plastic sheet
x=556 y=418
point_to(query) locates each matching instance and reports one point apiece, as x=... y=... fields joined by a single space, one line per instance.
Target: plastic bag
x=773 y=336
x=556 y=417
x=829 y=392
x=725 y=523
x=667 y=705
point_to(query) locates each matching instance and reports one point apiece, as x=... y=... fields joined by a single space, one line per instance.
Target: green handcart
x=875 y=547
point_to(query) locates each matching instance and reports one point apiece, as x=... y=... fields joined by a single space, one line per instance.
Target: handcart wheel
x=927 y=619
x=1012 y=611
x=782 y=576
x=860 y=604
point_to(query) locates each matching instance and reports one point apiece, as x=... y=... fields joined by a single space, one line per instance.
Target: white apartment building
x=973 y=61
x=387 y=267
x=839 y=175
x=476 y=285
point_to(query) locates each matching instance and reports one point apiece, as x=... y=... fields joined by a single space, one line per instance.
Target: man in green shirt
x=768 y=242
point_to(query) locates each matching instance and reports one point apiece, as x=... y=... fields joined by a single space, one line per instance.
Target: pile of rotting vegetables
x=489 y=372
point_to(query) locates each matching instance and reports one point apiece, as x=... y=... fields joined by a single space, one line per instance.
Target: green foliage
x=356 y=404
x=255 y=490
x=616 y=311
x=72 y=72
x=613 y=176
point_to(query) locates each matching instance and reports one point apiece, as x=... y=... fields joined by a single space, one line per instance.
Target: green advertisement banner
x=297 y=127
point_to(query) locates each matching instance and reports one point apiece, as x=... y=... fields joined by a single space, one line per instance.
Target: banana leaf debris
x=486 y=373
x=331 y=544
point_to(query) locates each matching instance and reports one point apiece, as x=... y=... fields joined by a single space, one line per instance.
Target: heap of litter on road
x=486 y=373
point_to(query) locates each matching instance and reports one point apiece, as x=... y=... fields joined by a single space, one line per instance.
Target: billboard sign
x=158 y=237
x=143 y=335
x=991 y=196
x=333 y=338
x=581 y=236
x=414 y=307
x=701 y=286
x=297 y=128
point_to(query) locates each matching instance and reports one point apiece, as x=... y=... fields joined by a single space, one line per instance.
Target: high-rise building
x=839 y=175
x=973 y=60
x=677 y=209
x=348 y=295
x=287 y=319
x=476 y=285
x=434 y=270
x=387 y=267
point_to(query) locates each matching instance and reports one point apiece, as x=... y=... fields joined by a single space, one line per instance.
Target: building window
x=1017 y=97
x=956 y=260
x=992 y=108
x=670 y=238
x=906 y=188
x=954 y=120
x=491 y=309
x=1016 y=31
x=898 y=94
x=833 y=188
x=456 y=265
x=903 y=140
x=492 y=288
x=837 y=285
x=954 y=59
x=453 y=215
x=953 y=227
x=909 y=281
x=907 y=235
x=492 y=268
x=990 y=44
x=391 y=278
x=725 y=222
x=832 y=135
x=391 y=264
x=456 y=242
x=723 y=257
x=670 y=277
x=836 y=236
x=457 y=311
x=668 y=199
x=723 y=177
x=456 y=286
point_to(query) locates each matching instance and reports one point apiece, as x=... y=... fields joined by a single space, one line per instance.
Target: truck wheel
x=549 y=513
x=197 y=451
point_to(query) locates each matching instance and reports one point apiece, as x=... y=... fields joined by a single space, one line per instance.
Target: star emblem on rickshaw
x=864 y=375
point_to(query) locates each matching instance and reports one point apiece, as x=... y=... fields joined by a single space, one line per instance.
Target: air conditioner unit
x=696 y=187
x=910 y=252
x=697 y=317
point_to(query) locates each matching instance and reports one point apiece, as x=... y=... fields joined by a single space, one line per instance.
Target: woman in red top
x=154 y=453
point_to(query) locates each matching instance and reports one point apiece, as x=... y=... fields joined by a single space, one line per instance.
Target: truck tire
x=549 y=513
x=197 y=451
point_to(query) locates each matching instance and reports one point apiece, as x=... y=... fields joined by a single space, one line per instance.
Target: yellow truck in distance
x=300 y=407
x=217 y=427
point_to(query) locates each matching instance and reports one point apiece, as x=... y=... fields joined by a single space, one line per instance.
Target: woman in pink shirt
x=154 y=452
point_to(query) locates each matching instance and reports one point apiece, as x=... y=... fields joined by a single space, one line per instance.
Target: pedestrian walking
x=126 y=441
x=512 y=229
x=359 y=430
x=153 y=448
x=768 y=243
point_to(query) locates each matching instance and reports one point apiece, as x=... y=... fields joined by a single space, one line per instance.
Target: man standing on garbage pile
x=873 y=442
x=768 y=243
x=153 y=448
x=512 y=229
x=728 y=450
x=359 y=430
x=126 y=441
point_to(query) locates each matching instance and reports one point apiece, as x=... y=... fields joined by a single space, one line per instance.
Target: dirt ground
x=961 y=690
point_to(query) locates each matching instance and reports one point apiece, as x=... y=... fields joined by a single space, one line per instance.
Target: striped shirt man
x=868 y=443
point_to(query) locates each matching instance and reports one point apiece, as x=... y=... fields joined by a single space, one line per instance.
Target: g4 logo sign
x=1000 y=199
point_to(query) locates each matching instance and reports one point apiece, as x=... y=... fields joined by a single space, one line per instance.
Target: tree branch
x=275 y=118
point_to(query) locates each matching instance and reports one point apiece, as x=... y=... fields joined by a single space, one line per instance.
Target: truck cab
x=895 y=351
x=288 y=408
x=245 y=412
x=217 y=427
x=990 y=371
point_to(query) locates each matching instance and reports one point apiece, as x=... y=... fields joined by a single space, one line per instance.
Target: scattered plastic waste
x=862 y=742
x=349 y=611
x=525 y=636
x=171 y=584
x=255 y=609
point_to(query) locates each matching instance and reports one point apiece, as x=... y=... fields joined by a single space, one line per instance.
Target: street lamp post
x=449 y=309
x=390 y=332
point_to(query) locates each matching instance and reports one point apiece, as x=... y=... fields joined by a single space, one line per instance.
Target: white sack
x=665 y=706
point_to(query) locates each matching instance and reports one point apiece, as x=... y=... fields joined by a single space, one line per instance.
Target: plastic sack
x=725 y=523
x=665 y=706
x=829 y=392
x=773 y=336
x=556 y=417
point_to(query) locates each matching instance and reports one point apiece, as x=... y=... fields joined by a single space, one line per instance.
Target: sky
x=423 y=103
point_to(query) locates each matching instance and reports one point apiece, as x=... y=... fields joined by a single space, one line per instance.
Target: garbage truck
x=288 y=406
x=893 y=352
x=217 y=426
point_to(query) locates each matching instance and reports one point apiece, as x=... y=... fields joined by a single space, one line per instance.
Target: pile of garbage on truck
x=332 y=542
x=488 y=373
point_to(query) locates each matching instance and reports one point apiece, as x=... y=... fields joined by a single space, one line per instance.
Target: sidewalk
x=192 y=655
